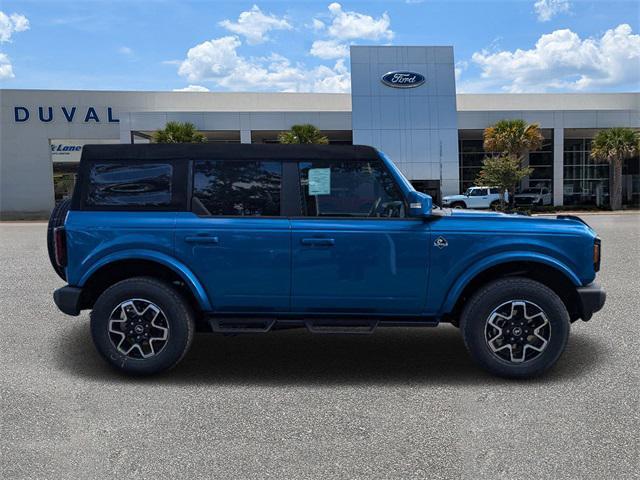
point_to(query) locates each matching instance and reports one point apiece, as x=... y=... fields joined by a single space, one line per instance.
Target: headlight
x=597 y=253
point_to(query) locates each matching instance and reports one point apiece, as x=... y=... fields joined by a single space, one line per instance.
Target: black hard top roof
x=176 y=151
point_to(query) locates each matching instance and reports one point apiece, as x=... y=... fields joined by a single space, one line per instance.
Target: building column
x=245 y=136
x=558 y=166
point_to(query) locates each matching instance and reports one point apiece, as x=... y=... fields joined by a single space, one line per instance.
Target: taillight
x=597 y=253
x=60 y=244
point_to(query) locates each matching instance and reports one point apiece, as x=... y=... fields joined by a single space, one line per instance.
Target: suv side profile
x=475 y=198
x=161 y=241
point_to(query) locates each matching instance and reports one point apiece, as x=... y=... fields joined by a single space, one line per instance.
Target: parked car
x=533 y=196
x=476 y=198
x=161 y=241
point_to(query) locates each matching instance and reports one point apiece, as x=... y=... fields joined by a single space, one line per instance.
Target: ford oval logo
x=403 y=79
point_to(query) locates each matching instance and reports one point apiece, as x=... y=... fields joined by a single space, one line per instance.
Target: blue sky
x=513 y=46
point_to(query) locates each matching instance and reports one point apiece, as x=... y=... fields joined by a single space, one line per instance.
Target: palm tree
x=179 y=132
x=305 y=133
x=513 y=137
x=510 y=141
x=614 y=146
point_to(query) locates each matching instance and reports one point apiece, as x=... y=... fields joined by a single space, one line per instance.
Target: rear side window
x=349 y=189
x=495 y=191
x=238 y=188
x=129 y=185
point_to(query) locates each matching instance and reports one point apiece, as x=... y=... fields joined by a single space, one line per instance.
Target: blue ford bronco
x=161 y=241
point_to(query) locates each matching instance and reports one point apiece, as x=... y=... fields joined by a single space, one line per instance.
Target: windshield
x=475 y=192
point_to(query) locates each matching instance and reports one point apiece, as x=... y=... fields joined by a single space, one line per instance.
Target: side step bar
x=358 y=326
x=241 y=325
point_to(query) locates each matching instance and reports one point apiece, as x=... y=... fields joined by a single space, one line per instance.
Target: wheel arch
x=544 y=269
x=116 y=267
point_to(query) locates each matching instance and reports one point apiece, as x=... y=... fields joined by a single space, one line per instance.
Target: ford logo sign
x=402 y=79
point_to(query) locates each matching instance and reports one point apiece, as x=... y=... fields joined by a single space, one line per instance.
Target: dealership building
x=432 y=133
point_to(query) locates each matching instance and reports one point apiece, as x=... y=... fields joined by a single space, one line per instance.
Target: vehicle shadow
x=296 y=357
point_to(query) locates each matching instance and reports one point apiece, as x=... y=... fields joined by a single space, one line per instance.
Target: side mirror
x=419 y=204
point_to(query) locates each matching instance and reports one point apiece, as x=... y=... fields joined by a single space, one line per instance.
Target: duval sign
x=22 y=114
x=402 y=79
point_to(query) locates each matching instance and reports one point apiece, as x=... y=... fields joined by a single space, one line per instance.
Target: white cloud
x=6 y=69
x=10 y=24
x=192 y=88
x=317 y=25
x=125 y=51
x=547 y=9
x=254 y=25
x=561 y=60
x=329 y=49
x=460 y=67
x=218 y=61
x=347 y=25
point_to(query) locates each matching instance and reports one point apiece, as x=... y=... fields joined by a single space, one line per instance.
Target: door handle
x=201 y=239
x=325 y=242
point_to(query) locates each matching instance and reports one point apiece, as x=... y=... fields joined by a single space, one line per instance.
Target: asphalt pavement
x=401 y=403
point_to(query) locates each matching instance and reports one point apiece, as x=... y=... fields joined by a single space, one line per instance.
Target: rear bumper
x=592 y=298
x=67 y=299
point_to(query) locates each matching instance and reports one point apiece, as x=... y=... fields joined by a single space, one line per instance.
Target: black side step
x=241 y=325
x=357 y=327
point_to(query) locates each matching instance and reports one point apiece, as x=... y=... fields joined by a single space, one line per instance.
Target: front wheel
x=515 y=327
x=458 y=205
x=142 y=326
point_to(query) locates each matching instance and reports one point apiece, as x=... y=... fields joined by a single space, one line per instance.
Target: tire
x=174 y=322
x=494 y=205
x=511 y=296
x=57 y=218
x=458 y=205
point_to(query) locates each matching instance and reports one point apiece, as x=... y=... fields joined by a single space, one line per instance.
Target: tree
x=179 y=132
x=305 y=133
x=509 y=141
x=512 y=137
x=614 y=146
x=504 y=172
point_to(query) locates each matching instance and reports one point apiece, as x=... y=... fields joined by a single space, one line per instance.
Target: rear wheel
x=142 y=326
x=495 y=205
x=57 y=218
x=515 y=327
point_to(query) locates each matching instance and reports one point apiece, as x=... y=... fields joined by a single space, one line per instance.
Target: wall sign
x=402 y=79
x=70 y=150
x=70 y=114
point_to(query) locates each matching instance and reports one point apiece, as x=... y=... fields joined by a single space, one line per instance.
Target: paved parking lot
x=397 y=404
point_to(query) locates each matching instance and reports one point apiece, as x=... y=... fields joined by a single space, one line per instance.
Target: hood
x=558 y=222
x=527 y=195
x=454 y=197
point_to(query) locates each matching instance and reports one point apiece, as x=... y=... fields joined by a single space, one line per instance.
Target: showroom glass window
x=129 y=185
x=238 y=188
x=586 y=182
x=349 y=189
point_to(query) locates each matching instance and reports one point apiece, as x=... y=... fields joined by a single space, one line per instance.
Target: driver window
x=349 y=189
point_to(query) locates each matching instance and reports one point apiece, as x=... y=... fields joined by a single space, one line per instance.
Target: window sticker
x=319 y=181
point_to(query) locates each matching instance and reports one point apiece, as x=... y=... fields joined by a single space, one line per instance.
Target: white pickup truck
x=475 y=197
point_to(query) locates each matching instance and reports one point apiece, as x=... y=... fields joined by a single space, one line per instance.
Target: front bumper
x=67 y=299
x=592 y=298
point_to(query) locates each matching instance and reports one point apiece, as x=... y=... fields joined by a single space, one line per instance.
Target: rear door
x=236 y=241
x=354 y=250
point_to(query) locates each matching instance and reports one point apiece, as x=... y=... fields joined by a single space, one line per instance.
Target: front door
x=478 y=198
x=354 y=251
x=236 y=243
